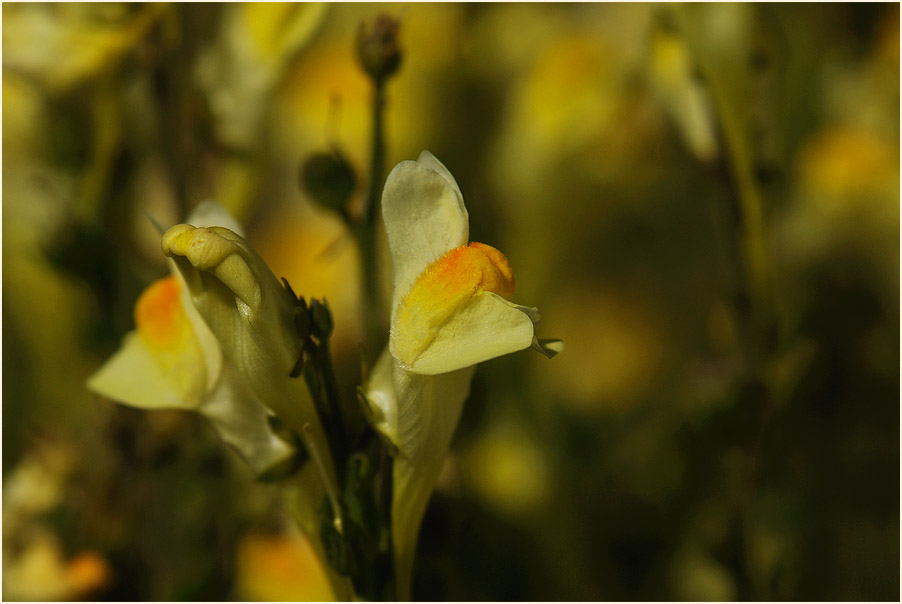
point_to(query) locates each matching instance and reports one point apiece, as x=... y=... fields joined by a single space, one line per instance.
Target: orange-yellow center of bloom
x=443 y=288
x=459 y=274
x=167 y=332
x=159 y=315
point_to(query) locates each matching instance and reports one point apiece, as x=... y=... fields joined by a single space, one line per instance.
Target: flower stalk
x=380 y=56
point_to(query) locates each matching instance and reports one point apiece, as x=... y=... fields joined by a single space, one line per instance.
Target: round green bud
x=329 y=179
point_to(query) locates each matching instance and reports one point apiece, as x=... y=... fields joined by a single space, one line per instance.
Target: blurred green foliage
x=703 y=200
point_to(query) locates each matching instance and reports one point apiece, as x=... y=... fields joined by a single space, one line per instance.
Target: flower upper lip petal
x=424 y=216
x=430 y=161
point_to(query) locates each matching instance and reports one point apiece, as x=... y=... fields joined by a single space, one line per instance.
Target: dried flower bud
x=377 y=47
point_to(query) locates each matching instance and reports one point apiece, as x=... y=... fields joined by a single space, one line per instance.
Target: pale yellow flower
x=173 y=361
x=449 y=311
x=251 y=314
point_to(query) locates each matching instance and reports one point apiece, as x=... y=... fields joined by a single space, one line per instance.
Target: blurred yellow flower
x=575 y=119
x=35 y=566
x=61 y=44
x=280 y=568
x=508 y=469
x=40 y=572
x=573 y=112
x=241 y=70
x=616 y=350
x=847 y=198
x=841 y=163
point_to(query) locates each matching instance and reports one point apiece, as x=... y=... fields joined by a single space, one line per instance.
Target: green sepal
x=323 y=323
x=291 y=465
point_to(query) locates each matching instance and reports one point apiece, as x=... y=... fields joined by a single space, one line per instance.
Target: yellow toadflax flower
x=252 y=316
x=173 y=361
x=219 y=337
x=450 y=310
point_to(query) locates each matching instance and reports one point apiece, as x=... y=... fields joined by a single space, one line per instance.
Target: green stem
x=338 y=430
x=320 y=377
x=377 y=155
x=374 y=314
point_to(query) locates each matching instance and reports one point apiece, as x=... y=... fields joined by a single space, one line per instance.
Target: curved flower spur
x=450 y=311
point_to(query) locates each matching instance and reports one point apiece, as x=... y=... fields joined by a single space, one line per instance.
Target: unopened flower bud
x=329 y=179
x=322 y=318
x=377 y=47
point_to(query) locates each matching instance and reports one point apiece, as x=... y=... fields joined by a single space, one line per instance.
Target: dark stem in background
x=179 y=119
x=729 y=74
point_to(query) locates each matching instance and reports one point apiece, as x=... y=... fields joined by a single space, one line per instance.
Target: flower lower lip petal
x=485 y=327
